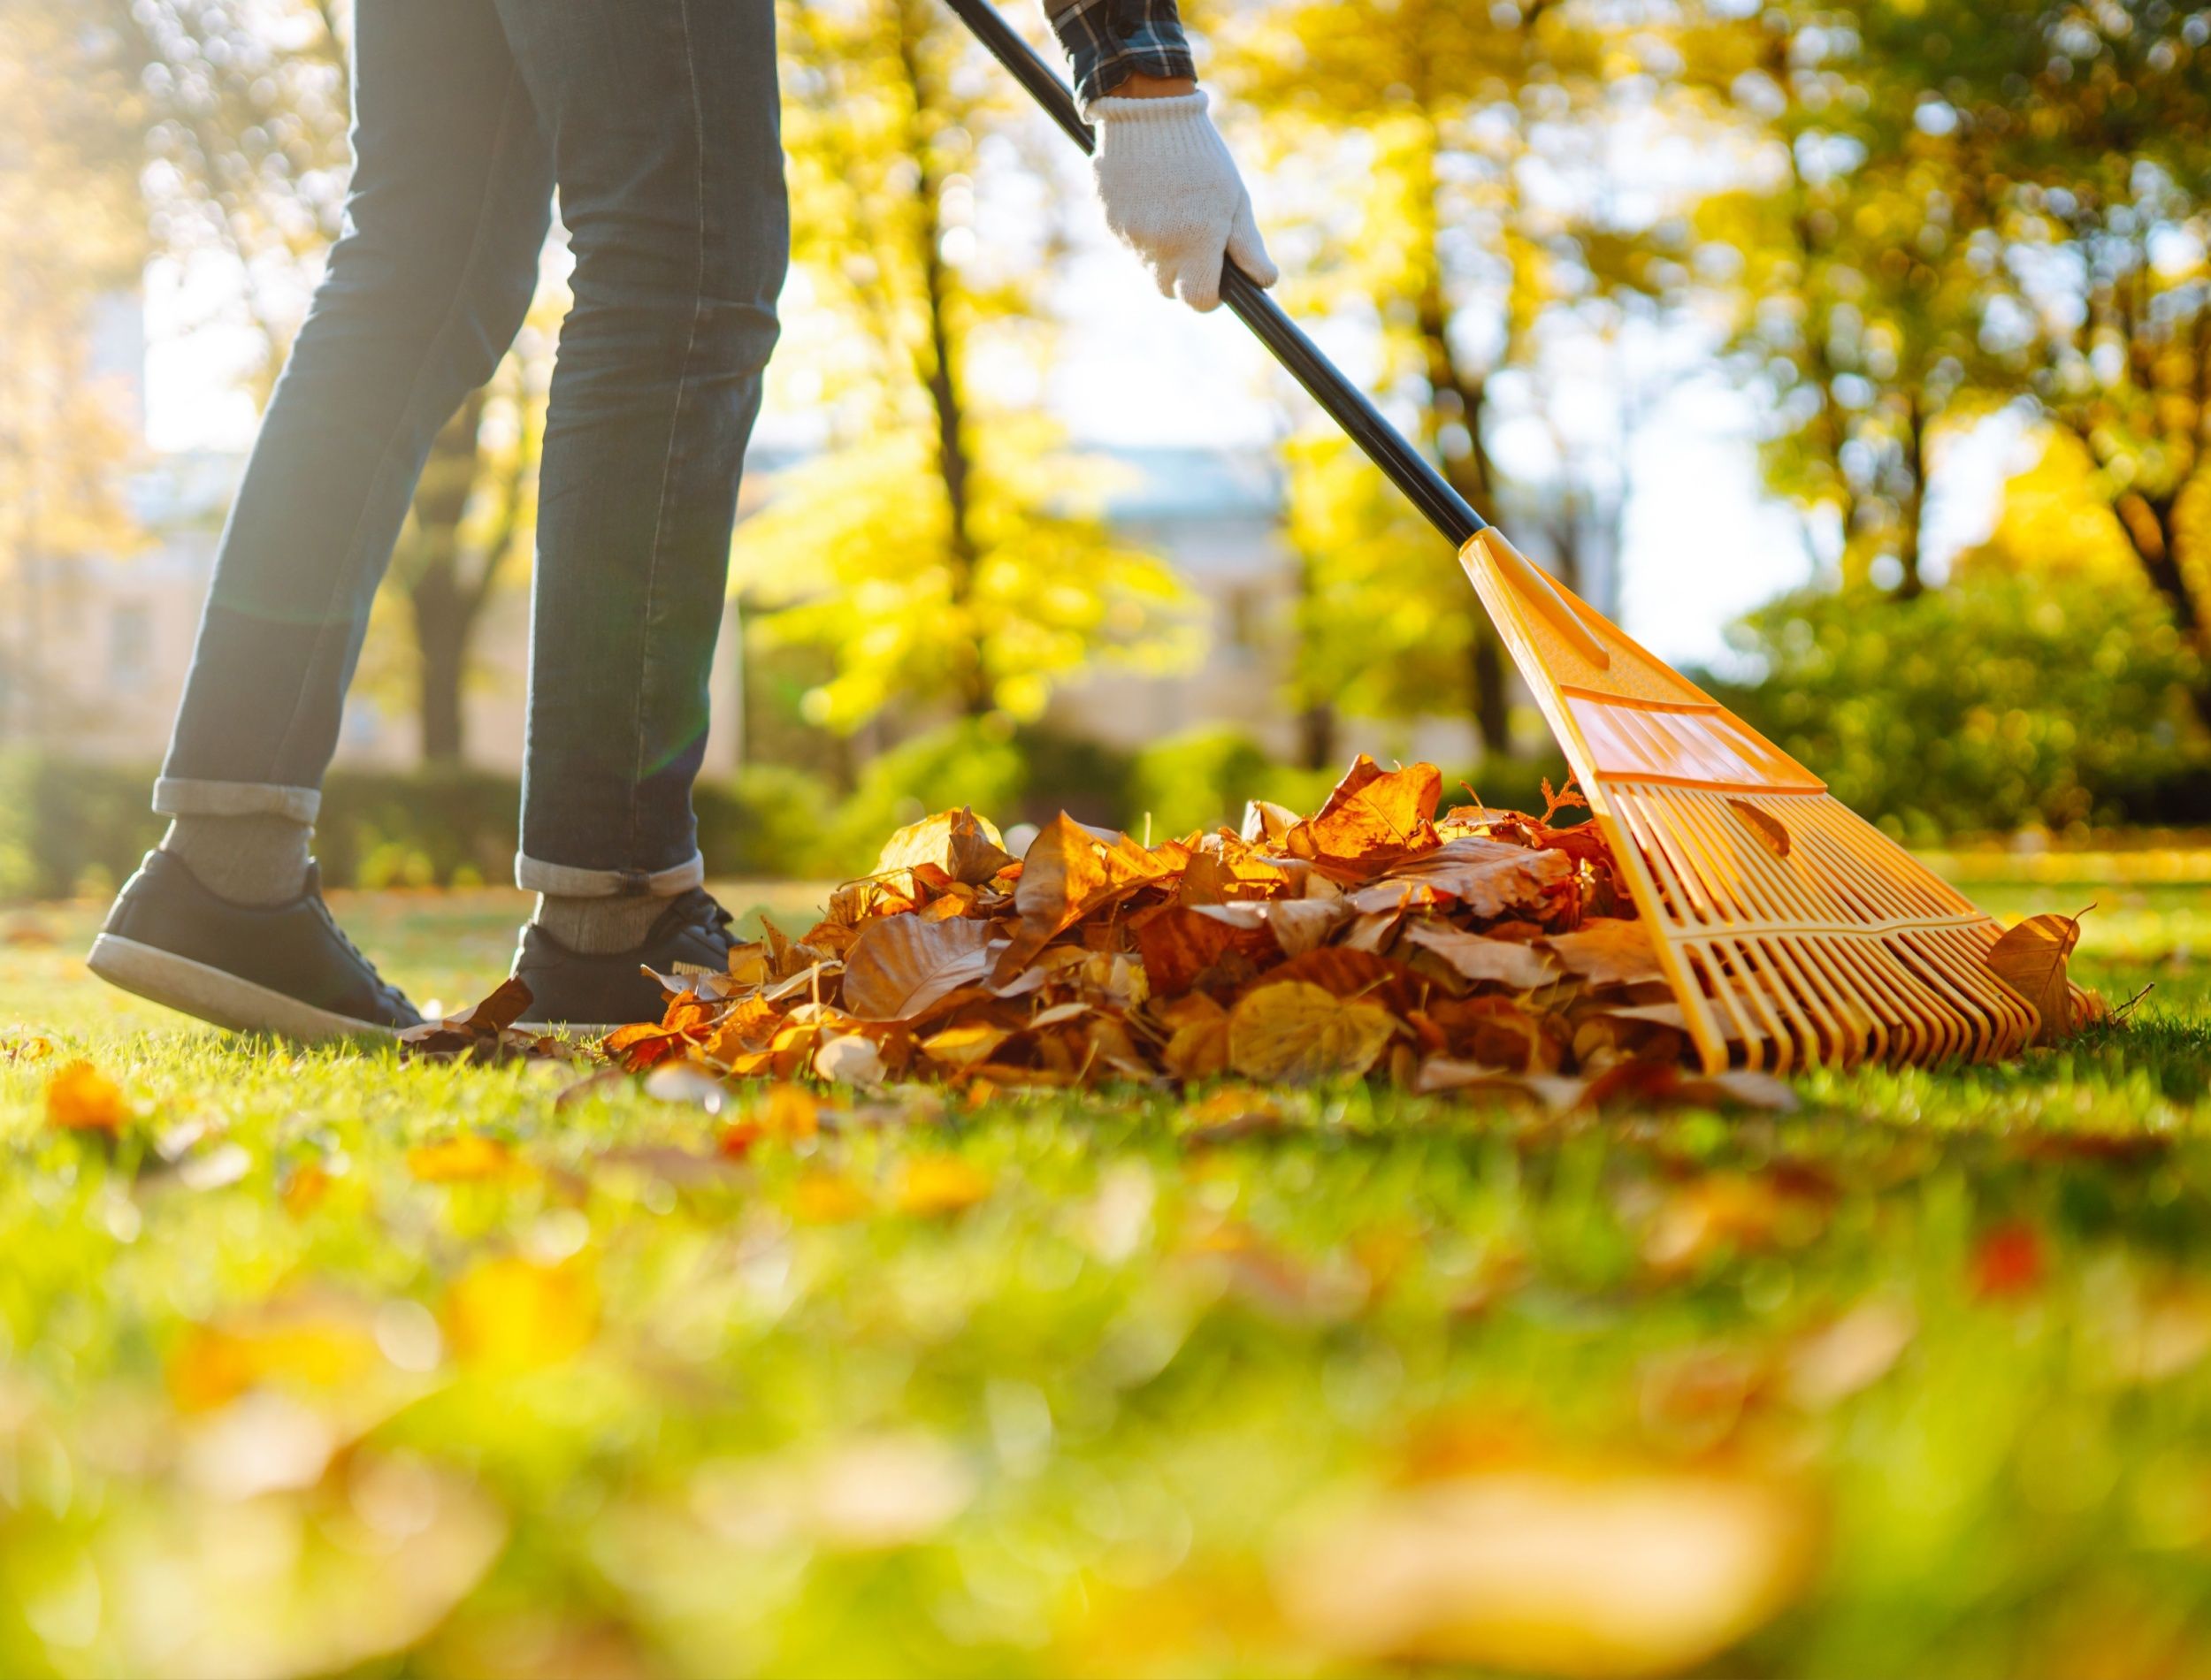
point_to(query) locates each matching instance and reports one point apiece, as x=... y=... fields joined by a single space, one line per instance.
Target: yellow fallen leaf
x=966 y=1045
x=828 y=1198
x=80 y=1098
x=941 y=1184
x=787 y=1111
x=315 y=1344
x=467 y=1157
x=1297 y=1032
x=1554 y=1571
x=512 y=1314
x=963 y=846
x=2031 y=959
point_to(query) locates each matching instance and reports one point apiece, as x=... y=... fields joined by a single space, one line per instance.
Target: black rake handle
x=1346 y=404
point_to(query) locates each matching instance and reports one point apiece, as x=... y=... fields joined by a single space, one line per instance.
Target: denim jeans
x=657 y=120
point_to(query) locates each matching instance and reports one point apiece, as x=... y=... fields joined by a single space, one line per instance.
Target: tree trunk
x=1455 y=398
x=1316 y=736
x=444 y=615
x=2149 y=525
x=971 y=681
x=1911 y=515
x=441 y=640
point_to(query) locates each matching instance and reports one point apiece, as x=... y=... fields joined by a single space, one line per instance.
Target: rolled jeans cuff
x=565 y=881
x=179 y=796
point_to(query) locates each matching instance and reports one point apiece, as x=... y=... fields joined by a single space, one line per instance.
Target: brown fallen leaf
x=1608 y=952
x=1296 y=1031
x=1489 y=877
x=901 y=965
x=1181 y=945
x=2031 y=959
x=484 y=1033
x=1521 y=967
x=1772 y=834
x=1067 y=873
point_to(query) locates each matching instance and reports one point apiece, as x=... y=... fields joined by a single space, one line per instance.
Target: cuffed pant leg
x=565 y=881
x=664 y=122
x=180 y=797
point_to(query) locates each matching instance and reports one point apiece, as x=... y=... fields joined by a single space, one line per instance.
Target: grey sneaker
x=278 y=968
x=596 y=994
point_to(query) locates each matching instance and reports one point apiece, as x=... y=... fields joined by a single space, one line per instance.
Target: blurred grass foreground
x=318 y=1363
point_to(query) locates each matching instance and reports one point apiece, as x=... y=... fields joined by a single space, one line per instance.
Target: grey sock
x=599 y=927
x=258 y=859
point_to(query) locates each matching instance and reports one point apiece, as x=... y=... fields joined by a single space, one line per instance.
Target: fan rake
x=1793 y=933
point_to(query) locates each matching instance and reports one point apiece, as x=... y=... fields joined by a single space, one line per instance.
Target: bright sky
x=1703 y=542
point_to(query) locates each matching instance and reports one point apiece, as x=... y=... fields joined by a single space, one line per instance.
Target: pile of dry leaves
x=1478 y=948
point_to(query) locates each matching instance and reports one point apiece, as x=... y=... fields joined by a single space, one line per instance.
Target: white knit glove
x=1172 y=192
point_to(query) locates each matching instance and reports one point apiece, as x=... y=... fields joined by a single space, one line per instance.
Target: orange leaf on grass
x=2009 y=1263
x=937 y=1184
x=80 y=1098
x=901 y=965
x=2031 y=959
x=470 y=1157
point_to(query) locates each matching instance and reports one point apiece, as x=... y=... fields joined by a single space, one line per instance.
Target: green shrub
x=1998 y=701
x=770 y=821
x=1201 y=780
x=68 y=826
x=1085 y=778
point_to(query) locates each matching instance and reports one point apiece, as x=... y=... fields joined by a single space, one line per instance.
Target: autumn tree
x=939 y=552
x=249 y=107
x=66 y=137
x=1857 y=267
x=2092 y=126
x=1410 y=135
x=1996 y=201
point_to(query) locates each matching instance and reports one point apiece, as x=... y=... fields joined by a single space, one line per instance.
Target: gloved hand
x=1172 y=192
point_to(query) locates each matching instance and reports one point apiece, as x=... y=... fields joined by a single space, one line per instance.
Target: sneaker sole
x=209 y=994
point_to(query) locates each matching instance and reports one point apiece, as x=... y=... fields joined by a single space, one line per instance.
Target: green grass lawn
x=1914 y=1381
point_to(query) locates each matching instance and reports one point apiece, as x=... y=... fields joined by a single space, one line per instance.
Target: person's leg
x=446 y=216
x=664 y=125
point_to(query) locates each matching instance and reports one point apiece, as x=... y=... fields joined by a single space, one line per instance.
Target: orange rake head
x=1795 y=933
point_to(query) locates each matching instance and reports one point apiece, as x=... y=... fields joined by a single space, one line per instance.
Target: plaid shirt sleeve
x=1109 y=41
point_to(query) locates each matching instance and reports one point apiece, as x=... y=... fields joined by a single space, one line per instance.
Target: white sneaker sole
x=194 y=989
